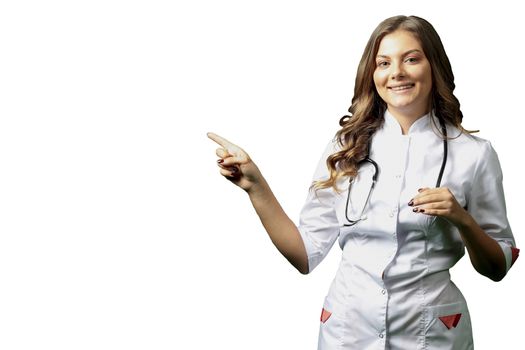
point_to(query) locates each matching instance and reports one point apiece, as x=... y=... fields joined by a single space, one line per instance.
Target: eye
x=411 y=60
x=382 y=64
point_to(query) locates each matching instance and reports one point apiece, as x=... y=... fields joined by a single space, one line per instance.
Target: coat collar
x=392 y=126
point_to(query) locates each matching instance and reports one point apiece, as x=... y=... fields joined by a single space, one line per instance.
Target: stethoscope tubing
x=376 y=174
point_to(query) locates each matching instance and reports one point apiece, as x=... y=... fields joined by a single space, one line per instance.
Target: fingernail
x=220 y=161
x=421 y=210
x=411 y=203
x=414 y=210
x=419 y=190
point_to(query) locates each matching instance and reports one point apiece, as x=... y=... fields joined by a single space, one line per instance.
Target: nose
x=397 y=71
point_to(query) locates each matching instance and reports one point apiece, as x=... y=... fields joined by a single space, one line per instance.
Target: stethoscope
x=376 y=173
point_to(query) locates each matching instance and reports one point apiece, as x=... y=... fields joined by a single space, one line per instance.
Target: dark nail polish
x=220 y=161
x=420 y=189
x=421 y=210
x=414 y=210
x=411 y=203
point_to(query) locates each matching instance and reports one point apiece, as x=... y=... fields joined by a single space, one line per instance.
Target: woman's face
x=403 y=77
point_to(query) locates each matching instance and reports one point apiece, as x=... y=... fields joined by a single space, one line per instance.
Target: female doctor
x=404 y=188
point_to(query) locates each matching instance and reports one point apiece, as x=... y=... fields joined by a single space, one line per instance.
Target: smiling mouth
x=401 y=87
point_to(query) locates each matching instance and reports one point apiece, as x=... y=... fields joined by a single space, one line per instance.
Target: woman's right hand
x=235 y=164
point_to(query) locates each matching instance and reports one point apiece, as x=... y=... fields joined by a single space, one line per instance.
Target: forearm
x=282 y=231
x=485 y=253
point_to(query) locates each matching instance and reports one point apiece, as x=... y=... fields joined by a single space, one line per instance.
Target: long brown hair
x=367 y=109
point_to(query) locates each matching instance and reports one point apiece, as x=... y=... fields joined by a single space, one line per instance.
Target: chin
x=403 y=105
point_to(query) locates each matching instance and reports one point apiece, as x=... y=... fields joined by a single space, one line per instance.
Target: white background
x=116 y=230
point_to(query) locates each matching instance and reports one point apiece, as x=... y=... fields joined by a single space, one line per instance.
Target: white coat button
x=381 y=335
x=391 y=214
x=398 y=176
x=383 y=291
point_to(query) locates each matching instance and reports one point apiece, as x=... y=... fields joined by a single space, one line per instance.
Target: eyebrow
x=406 y=53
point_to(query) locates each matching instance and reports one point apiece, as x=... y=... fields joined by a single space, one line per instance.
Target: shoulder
x=333 y=146
x=473 y=144
x=473 y=149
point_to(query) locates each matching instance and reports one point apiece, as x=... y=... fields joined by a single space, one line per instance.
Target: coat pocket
x=331 y=328
x=448 y=327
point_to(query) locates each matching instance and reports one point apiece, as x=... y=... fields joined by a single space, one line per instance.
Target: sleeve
x=318 y=224
x=486 y=202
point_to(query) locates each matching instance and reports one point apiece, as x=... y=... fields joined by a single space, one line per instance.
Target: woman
x=405 y=189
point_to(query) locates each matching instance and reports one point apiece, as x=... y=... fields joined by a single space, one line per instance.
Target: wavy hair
x=367 y=108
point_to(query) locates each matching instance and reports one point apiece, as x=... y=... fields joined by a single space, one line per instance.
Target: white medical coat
x=393 y=289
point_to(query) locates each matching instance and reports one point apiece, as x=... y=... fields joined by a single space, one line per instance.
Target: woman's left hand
x=439 y=202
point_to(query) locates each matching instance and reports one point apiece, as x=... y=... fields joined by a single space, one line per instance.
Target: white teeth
x=403 y=87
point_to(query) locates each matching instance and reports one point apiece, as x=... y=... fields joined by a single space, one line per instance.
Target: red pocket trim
x=515 y=254
x=450 y=321
x=325 y=315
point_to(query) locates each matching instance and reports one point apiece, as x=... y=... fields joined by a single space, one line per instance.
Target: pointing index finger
x=220 y=140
